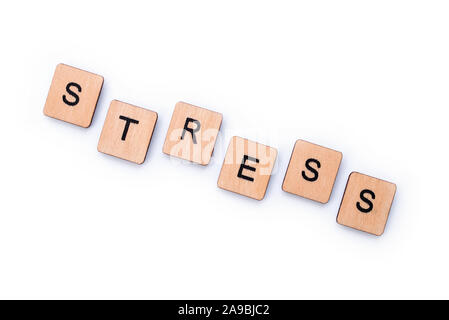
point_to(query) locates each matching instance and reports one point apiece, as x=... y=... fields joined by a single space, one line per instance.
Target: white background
x=367 y=78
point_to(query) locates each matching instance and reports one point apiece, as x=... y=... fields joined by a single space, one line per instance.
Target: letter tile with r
x=73 y=95
x=192 y=133
x=127 y=132
x=366 y=203
x=247 y=168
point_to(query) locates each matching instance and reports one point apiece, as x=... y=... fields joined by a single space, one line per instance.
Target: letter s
x=311 y=169
x=73 y=94
x=367 y=201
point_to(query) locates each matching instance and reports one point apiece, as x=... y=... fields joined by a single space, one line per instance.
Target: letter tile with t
x=312 y=171
x=247 y=168
x=366 y=203
x=192 y=133
x=127 y=132
x=73 y=95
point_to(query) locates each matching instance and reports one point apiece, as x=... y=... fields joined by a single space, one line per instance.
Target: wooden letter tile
x=73 y=95
x=192 y=133
x=312 y=171
x=127 y=132
x=247 y=168
x=366 y=203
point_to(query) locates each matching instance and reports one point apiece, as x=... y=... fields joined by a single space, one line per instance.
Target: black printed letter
x=192 y=131
x=69 y=91
x=367 y=201
x=313 y=170
x=244 y=166
x=128 y=121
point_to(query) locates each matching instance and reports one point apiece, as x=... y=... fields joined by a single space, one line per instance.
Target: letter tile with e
x=312 y=171
x=127 y=132
x=366 y=203
x=73 y=95
x=192 y=133
x=247 y=168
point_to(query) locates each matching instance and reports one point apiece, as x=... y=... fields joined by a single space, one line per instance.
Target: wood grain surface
x=312 y=171
x=73 y=95
x=366 y=203
x=247 y=168
x=127 y=131
x=192 y=133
